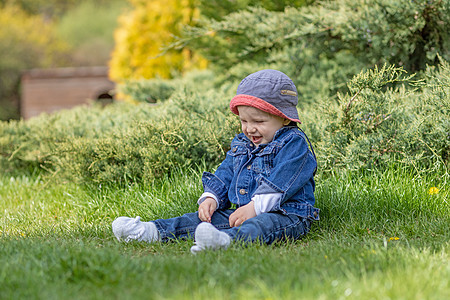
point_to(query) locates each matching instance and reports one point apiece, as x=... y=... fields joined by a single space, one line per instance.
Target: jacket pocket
x=263 y=162
x=239 y=153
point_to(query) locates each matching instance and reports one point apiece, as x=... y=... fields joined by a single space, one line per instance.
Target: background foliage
x=47 y=8
x=88 y=29
x=363 y=107
x=217 y=9
x=374 y=125
x=322 y=46
x=54 y=33
x=143 y=35
x=26 y=41
x=123 y=142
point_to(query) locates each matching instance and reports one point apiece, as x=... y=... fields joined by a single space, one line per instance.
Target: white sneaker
x=128 y=229
x=209 y=237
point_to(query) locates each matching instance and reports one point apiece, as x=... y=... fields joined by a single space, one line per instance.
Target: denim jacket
x=285 y=165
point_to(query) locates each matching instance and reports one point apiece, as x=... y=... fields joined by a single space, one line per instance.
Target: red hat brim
x=247 y=100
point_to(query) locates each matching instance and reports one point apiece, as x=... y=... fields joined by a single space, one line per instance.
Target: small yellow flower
x=394 y=238
x=433 y=190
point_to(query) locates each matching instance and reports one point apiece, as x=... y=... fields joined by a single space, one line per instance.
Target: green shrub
x=387 y=116
x=433 y=123
x=377 y=123
x=217 y=9
x=323 y=46
x=194 y=130
x=124 y=142
x=145 y=90
x=29 y=144
x=154 y=90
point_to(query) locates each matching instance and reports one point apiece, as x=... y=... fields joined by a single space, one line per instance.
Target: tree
x=144 y=35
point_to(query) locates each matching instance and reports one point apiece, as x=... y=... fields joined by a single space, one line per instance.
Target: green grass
x=381 y=235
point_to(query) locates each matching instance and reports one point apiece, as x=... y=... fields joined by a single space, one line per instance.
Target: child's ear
x=286 y=122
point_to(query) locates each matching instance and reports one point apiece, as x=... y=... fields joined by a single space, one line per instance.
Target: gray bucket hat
x=271 y=91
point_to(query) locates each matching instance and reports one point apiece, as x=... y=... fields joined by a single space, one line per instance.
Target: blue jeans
x=266 y=228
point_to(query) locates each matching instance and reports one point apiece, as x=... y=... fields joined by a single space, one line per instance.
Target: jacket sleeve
x=294 y=166
x=219 y=182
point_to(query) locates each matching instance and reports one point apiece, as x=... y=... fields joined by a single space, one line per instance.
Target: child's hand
x=206 y=209
x=242 y=214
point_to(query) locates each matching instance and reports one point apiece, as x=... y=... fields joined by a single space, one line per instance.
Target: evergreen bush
x=32 y=144
x=387 y=116
x=323 y=46
x=194 y=130
x=433 y=123
x=154 y=90
x=376 y=123
x=148 y=91
x=124 y=142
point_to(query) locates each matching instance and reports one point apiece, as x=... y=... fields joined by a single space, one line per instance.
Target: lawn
x=382 y=235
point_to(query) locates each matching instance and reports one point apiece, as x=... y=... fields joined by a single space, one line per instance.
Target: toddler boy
x=268 y=174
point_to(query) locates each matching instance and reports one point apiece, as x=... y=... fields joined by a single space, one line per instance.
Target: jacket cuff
x=207 y=195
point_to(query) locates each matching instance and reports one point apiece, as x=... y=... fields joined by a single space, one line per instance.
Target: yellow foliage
x=28 y=41
x=143 y=36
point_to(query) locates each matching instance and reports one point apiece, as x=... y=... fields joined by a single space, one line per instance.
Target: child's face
x=259 y=126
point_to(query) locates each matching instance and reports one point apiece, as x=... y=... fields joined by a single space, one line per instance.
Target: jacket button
x=249 y=167
x=315 y=214
x=234 y=149
x=242 y=191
